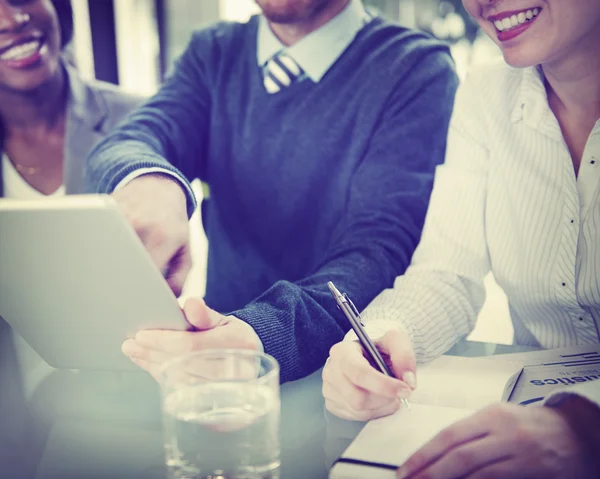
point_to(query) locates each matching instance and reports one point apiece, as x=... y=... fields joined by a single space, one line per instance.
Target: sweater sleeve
x=438 y=298
x=298 y=321
x=173 y=124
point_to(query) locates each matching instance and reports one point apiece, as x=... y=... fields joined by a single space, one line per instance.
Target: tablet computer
x=76 y=281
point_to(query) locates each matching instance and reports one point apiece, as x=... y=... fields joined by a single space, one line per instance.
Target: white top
x=506 y=200
x=16 y=187
x=33 y=368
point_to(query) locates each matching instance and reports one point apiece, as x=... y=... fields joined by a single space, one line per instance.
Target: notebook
x=551 y=369
x=449 y=388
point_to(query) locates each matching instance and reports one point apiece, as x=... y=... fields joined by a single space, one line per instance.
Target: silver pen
x=350 y=311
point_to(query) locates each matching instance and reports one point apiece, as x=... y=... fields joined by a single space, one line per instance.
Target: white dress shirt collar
x=319 y=50
x=531 y=97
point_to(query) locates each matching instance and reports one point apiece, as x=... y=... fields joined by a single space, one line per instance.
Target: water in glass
x=222 y=430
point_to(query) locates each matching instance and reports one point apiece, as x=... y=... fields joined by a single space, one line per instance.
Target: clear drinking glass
x=221 y=415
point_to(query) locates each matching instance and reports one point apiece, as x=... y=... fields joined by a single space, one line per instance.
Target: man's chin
x=281 y=11
x=283 y=18
x=292 y=12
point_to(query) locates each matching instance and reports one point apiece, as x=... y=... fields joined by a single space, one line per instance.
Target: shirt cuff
x=156 y=170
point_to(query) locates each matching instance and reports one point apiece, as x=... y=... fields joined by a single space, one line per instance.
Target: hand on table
x=155 y=205
x=150 y=349
x=506 y=441
x=355 y=390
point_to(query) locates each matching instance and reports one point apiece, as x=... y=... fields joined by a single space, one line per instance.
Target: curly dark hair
x=64 y=12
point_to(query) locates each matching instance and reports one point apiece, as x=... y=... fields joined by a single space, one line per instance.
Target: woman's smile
x=511 y=24
x=24 y=52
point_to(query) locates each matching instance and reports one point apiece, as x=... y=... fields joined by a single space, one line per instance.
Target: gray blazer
x=93 y=109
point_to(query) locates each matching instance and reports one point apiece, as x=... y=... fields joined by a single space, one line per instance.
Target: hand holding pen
x=357 y=383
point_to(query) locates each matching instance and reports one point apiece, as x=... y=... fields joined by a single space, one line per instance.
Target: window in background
x=181 y=19
x=446 y=20
x=138 y=54
x=402 y=11
x=104 y=42
x=81 y=47
x=237 y=10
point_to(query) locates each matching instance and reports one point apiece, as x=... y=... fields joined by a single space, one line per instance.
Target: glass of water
x=221 y=415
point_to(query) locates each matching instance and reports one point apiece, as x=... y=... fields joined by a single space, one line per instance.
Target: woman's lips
x=514 y=32
x=511 y=24
x=24 y=54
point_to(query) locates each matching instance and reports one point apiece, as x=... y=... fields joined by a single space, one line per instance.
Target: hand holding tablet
x=76 y=281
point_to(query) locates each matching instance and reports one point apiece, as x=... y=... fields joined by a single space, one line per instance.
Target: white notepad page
x=448 y=389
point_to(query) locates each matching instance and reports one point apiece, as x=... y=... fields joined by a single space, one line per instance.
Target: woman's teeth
x=510 y=22
x=24 y=50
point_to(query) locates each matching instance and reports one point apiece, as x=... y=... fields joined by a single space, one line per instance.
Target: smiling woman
x=49 y=119
x=32 y=89
x=519 y=196
x=37 y=94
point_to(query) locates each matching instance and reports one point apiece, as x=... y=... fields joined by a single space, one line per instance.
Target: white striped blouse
x=507 y=200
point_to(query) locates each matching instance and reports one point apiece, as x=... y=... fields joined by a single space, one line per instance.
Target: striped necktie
x=280 y=72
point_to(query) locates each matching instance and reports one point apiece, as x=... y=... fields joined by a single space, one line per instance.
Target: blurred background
x=133 y=43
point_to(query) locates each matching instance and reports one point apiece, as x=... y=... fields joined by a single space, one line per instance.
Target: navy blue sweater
x=319 y=182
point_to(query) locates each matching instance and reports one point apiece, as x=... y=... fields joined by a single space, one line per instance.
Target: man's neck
x=290 y=33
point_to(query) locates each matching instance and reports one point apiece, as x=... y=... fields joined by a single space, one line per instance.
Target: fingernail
x=129 y=348
x=409 y=378
x=400 y=473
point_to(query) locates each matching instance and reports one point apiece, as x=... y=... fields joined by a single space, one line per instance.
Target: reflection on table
x=105 y=425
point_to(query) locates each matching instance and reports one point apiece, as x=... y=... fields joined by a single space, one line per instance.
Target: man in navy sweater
x=318 y=128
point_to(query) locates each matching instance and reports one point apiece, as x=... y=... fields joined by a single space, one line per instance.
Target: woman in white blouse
x=519 y=195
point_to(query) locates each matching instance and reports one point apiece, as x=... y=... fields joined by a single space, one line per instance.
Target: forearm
x=166 y=133
x=121 y=157
x=122 y=164
x=435 y=308
x=294 y=328
x=299 y=322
